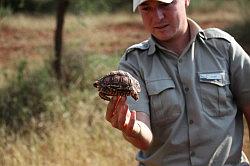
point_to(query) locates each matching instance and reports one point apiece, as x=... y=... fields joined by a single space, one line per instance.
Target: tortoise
x=117 y=83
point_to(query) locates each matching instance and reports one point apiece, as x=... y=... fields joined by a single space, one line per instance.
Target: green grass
x=42 y=125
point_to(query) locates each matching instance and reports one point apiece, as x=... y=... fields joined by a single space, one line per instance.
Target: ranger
x=195 y=89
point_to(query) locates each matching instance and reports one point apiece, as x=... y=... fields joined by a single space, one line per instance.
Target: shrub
x=205 y=5
x=76 y=6
x=96 y=6
x=5 y=11
x=29 y=5
x=73 y=68
x=24 y=97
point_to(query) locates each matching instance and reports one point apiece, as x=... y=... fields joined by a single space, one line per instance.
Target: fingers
x=129 y=130
x=124 y=114
x=113 y=121
x=120 y=117
x=120 y=114
x=116 y=104
x=116 y=111
x=111 y=108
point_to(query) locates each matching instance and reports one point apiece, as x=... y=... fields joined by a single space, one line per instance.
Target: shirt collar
x=195 y=30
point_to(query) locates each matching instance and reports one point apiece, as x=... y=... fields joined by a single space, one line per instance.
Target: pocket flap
x=154 y=87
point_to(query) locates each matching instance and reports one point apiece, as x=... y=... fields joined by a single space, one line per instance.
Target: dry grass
x=87 y=140
x=80 y=137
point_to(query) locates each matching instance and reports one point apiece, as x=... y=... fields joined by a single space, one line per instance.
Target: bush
x=73 y=68
x=5 y=11
x=76 y=6
x=24 y=97
x=30 y=95
x=95 y=6
x=30 y=6
x=205 y=5
x=244 y=6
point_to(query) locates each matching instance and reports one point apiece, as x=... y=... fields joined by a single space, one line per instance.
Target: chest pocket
x=216 y=96
x=164 y=103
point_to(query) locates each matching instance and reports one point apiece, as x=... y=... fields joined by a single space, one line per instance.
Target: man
x=195 y=89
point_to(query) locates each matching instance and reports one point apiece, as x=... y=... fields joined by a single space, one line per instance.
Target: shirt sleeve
x=129 y=63
x=240 y=73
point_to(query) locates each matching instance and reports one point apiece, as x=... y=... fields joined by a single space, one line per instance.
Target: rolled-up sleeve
x=240 y=73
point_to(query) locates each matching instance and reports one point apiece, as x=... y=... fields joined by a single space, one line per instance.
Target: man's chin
x=161 y=38
x=162 y=35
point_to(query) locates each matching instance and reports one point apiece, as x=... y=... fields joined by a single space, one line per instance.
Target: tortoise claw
x=104 y=96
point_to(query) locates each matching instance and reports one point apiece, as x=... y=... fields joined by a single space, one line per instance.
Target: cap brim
x=136 y=3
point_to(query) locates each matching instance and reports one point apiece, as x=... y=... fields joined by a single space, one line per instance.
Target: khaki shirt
x=192 y=99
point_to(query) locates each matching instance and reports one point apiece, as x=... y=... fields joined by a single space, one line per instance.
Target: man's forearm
x=248 y=124
x=246 y=111
x=143 y=139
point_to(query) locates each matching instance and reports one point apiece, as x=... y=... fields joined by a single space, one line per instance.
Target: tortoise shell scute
x=118 y=83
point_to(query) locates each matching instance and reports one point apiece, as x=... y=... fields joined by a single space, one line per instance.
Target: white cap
x=136 y=3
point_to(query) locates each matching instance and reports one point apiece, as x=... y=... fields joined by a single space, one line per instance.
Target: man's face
x=164 y=21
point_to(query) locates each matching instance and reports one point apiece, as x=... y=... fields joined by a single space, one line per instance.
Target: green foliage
x=98 y=65
x=95 y=6
x=31 y=6
x=205 y=5
x=25 y=96
x=5 y=11
x=29 y=95
x=73 y=68
x=76 y=6
x=244 y=6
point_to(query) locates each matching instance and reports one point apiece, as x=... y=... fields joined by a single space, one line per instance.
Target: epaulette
x=211 y=33
x=141 y=46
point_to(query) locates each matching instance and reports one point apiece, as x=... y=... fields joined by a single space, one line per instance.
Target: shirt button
x=146 y=45
x=191 y=122
x=186 y=89
x=180 y=60
x=192 y=154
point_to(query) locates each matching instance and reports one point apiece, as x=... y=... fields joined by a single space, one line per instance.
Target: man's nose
x=159 y=14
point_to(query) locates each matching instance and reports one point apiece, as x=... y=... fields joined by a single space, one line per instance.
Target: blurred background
x=51 y=51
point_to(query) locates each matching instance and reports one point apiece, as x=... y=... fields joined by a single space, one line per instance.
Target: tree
x=58 y=38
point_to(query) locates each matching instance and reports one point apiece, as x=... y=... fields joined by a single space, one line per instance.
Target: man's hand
x=121 y=117
x=135 y=126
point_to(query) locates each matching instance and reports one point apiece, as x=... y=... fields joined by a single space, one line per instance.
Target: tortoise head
x=135 y=95
x=96 y=84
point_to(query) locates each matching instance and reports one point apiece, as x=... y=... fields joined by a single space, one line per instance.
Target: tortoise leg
x=135 y=96
x=104 y=96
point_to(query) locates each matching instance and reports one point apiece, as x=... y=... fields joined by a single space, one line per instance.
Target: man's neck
x=178 y=44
